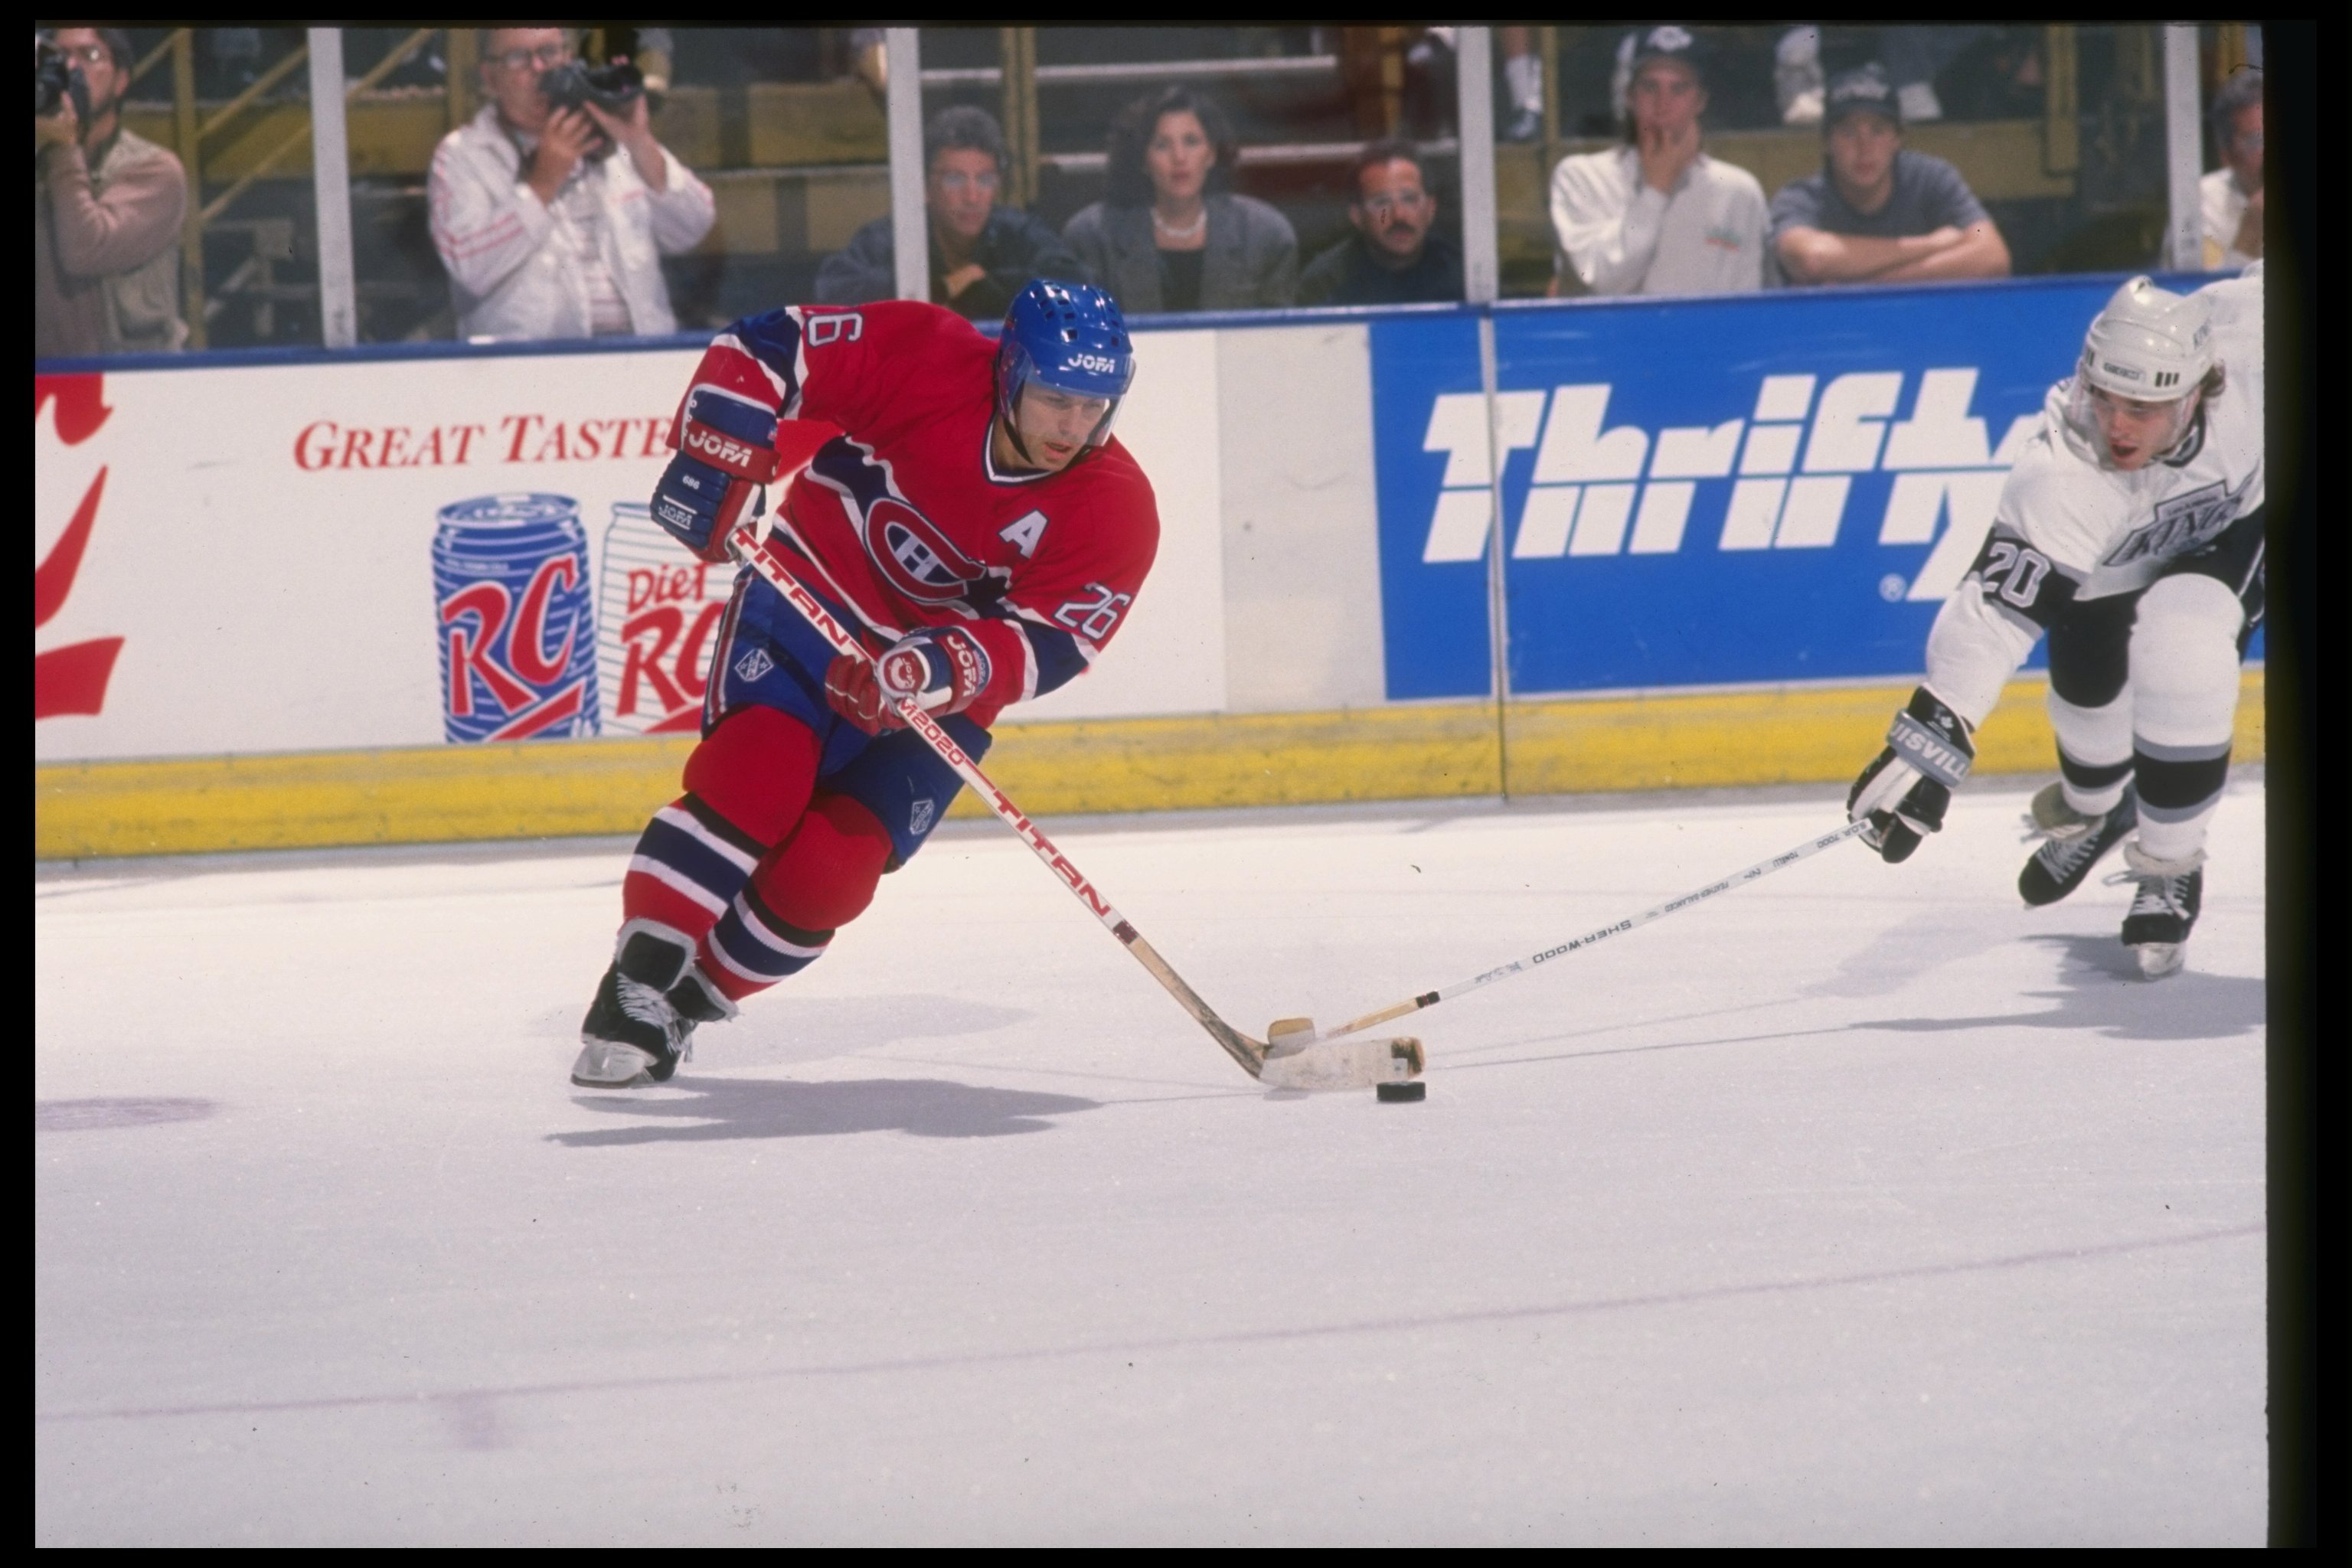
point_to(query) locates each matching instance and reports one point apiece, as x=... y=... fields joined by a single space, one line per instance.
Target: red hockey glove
x=943 y=670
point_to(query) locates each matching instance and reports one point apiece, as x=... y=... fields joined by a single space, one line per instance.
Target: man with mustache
x=1393 y=258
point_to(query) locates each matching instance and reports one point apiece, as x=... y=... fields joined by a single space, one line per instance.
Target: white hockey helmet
x=2150 y=344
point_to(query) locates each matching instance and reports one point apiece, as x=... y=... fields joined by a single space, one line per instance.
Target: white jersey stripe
x=672 y=878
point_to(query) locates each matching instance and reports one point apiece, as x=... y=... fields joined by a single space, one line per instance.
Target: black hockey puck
x=1403 y=1093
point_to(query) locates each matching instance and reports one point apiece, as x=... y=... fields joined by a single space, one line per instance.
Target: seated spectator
x=1658 y=215
x=982 y=252
x=1878 y=212
x=107 y=205
x=546 y=230
x=2231 y=195
x=1392 y=258
x=1169 y=235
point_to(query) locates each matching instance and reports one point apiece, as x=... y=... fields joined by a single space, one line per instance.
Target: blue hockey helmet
x=1067 y=336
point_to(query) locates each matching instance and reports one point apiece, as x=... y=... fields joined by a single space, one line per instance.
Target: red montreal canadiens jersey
x=905 y=517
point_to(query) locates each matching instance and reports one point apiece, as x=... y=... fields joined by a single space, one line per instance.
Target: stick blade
x=1345 y=1064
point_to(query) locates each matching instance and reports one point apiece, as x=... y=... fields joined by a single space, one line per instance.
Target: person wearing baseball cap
x=1657 y=214
x=1878 y=212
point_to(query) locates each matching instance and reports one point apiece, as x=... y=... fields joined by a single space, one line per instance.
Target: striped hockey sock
x=751 y=947
x=689 y=864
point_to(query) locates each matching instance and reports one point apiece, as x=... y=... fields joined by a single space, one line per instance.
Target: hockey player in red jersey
x=977 y=523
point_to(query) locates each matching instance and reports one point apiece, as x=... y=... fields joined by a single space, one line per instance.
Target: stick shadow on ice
x=713 y=1109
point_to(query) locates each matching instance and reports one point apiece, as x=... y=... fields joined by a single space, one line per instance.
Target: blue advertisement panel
x=1782 y=488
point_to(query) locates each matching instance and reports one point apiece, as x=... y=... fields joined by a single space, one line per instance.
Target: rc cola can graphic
x=658 y=615
x=517 y=619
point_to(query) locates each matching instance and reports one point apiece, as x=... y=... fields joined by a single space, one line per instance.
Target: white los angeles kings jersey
x=2068 y=528
x=2111 y=531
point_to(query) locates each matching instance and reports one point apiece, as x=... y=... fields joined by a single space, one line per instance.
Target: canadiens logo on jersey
x=919 y=561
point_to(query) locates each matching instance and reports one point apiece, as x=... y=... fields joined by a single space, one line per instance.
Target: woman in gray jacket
x=1169 y=235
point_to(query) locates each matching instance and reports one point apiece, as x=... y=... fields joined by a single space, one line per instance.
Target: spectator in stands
x=553 y=222
x=1393 y=258
x=1169 y=234
x=982 y=252
x=1658 y=215
x=1878 y=212
x=107 y=205
x=2232 y=194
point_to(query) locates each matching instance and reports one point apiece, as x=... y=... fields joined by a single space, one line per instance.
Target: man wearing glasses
x=1393 y=258
x=553 y=222
x=982 y=252
x=107 y=205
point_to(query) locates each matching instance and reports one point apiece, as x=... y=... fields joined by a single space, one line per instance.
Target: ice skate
x=2164 y=912
x=2071 y=844
x=640 y=1024
x=631 y=1035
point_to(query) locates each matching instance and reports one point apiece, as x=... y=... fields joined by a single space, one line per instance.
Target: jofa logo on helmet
x=1100 y=364
x=2120 y=372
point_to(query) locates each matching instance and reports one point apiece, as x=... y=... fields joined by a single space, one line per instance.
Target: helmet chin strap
x=1013 y=434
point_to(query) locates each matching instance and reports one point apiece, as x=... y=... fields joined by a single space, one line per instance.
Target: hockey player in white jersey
x=2130 y=534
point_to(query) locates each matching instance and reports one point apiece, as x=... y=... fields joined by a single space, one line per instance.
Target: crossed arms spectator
x=1880 y=213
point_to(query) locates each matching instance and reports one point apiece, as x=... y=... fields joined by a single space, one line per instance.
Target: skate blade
x=2158 y=959
x=1345 y=1064
x=605 y=1063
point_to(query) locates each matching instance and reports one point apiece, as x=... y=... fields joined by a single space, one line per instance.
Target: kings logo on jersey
x=2182 y=524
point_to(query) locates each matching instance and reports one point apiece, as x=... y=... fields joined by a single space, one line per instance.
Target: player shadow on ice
x=95 y=1115
x=2102 y=991
x=1894 y=957
x=715 y=1108
x=784 y=1030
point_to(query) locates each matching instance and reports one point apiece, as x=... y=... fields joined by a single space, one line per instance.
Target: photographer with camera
x=553 y=207
x=107 y=206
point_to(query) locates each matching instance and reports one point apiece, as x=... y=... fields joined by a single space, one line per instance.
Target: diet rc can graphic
x=517 y=619
x=658 y=610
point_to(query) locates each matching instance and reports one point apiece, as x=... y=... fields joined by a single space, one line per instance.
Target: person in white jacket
x=553 y=222
x=1657 y=214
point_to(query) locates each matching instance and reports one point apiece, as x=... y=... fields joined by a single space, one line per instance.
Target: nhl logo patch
x=919 y=820
x=754 y=664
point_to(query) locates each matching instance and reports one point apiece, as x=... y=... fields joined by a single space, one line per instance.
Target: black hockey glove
x=1905 y=788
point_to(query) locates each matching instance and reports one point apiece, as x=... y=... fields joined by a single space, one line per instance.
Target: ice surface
x=1858 y=1206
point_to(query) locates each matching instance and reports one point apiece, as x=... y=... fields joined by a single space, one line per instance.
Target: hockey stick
x=1289 y=1029
x=1359 y=1064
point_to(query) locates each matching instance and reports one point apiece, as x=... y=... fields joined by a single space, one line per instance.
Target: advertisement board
x=1774 y=488
x=357 y=552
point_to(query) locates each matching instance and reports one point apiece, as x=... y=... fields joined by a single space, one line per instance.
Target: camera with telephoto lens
x=614 y=88
x=56 y=79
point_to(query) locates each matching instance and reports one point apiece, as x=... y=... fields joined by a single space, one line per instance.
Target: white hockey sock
x=2094 y=752
x=2184 y=663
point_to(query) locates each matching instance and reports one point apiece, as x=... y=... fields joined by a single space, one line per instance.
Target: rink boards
x=1727 y=527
